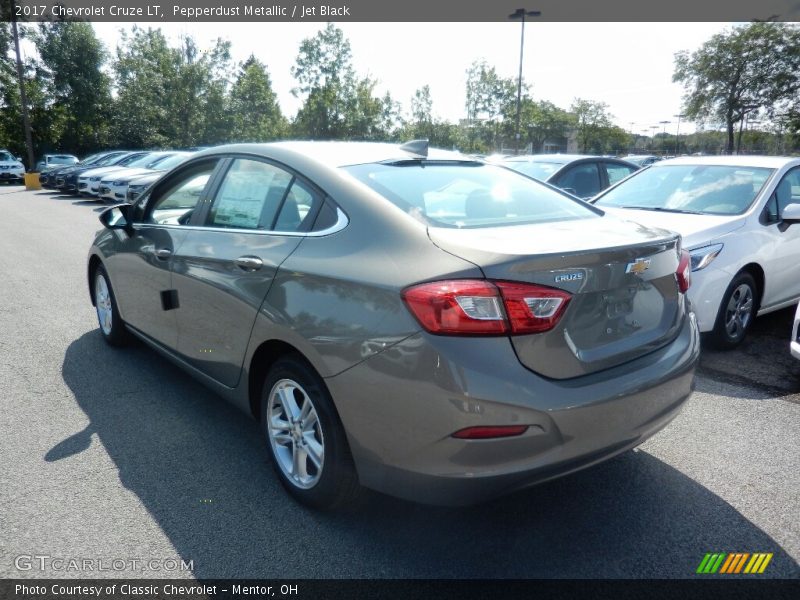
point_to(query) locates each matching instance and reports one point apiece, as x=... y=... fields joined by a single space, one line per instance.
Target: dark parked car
x=67 y=181
x=421 y=323
x=580 y=175
x=62 y=179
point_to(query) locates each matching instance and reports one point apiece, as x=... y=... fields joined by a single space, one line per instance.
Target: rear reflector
x=489 y=432
x=482 y=307
x=684 y=272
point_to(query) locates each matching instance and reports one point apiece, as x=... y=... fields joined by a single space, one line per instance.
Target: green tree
x=591 y=120
x=146 y=74
x=739 y=71
x=77 y=89
x=170 y=96
x=488 y=98
x=12 y=135
x=326 y=78
x=539 y=122
x=337 y=103
x=422 y=106
x=254 y=107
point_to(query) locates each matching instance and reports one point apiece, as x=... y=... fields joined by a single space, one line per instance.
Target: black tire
x=113 y=331
x=333 y=486
x=732 y=321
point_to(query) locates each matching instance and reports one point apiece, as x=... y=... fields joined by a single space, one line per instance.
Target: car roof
x=338 y=154
x=772 y=162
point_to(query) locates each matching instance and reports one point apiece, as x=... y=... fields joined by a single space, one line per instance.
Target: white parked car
x=114 y=185
x=11 y=169
x=89 y=181
x=795 y=344
x=740 y=220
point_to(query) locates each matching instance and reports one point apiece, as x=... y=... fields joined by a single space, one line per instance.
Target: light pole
x=679 y=116
x=521 y=13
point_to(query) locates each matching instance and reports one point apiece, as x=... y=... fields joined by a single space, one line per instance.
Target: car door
x=783 y=247
x=140 y=269
x=224 y=268
x=581 y=180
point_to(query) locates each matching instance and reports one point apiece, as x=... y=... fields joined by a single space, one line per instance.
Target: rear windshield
x=538 y=170
x=701 y=189
x=468 y=195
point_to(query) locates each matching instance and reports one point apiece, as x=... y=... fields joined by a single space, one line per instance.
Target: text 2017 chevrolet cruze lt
x=415 y=322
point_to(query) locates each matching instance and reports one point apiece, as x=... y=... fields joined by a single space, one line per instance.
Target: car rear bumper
x=401 y=407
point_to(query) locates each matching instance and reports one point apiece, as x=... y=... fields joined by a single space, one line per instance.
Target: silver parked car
x=420 y=323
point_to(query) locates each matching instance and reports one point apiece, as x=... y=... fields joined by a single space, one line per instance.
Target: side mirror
x=790 y=216
x=117 y=217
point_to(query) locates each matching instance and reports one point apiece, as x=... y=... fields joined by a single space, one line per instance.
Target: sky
x=626 y=65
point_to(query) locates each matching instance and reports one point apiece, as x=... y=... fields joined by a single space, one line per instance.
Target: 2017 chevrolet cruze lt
x=415 y=322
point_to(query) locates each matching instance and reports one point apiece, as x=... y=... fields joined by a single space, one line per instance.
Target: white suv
x=11 y=169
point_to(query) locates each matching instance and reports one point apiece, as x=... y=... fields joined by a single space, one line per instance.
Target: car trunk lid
x=625 y=298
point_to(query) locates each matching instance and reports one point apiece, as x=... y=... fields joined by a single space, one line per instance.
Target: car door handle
x=163 y=253
x=249 y=263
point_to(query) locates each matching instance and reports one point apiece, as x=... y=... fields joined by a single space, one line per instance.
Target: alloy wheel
x=295 y=434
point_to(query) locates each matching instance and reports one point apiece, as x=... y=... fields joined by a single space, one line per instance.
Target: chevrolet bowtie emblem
x=639 y=266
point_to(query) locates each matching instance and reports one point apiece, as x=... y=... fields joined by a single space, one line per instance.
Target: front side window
x=582 y=180
x=701 y=189
x=175 y=203
x=788 y=190
x=466 y=194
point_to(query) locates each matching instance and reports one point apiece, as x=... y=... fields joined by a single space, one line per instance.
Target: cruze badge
x=639 y=266
x=569 y=277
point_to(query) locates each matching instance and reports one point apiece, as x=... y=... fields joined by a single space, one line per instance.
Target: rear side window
x=250 y=195
x=617 y=172
x=261 y=196
x=465 y=194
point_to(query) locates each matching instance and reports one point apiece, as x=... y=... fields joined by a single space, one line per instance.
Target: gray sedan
x=411 y=321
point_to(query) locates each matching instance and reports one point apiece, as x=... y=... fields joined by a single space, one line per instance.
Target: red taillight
x=488 y=432
x=684 y=272
x=532 y=308
x=480 y=307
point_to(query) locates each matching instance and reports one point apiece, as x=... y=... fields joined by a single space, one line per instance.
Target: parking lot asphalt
x=115 y=454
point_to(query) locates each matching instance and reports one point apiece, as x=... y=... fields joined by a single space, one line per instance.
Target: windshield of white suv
x=5 y=156
x=466 y=194
x=699 y=189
